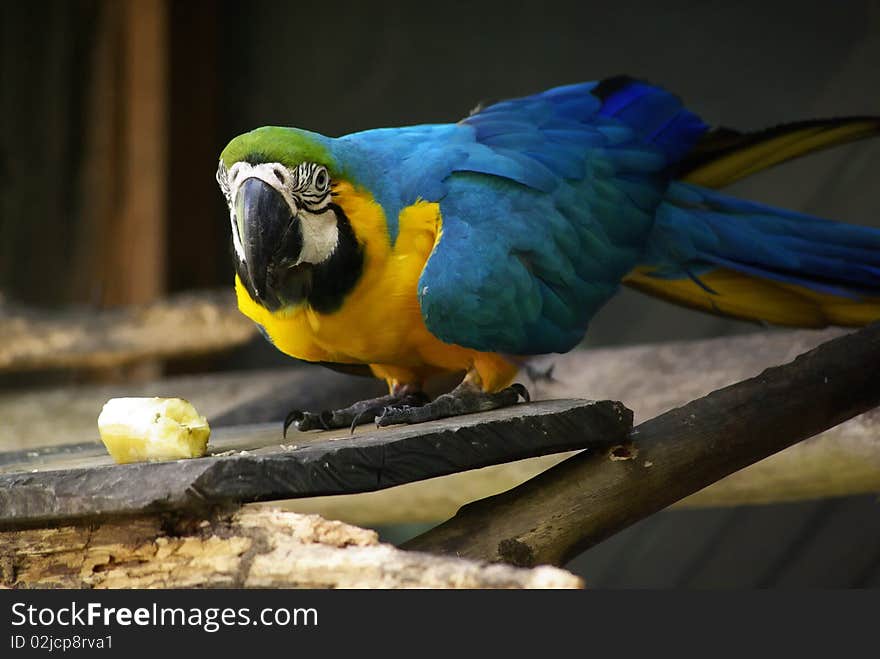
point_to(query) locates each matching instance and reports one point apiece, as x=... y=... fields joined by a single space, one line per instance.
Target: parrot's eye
x=321 y=179
x=312 y=186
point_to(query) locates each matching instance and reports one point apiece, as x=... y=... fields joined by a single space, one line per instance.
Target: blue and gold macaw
x=467 y=247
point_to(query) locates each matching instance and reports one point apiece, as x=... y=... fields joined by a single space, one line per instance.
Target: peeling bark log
x=257 y=547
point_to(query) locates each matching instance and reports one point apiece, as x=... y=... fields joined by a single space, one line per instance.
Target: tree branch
x=584 y=499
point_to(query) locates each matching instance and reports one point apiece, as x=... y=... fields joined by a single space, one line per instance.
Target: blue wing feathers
x=647 y=113
x=562 y=164
x=624 y=97
x=548 y=201
x=655 y=115
x=574 y=180
x=678 y=136
x=578 y=91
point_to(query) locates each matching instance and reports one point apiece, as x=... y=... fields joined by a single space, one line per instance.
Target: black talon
x=356 y=421
x=522 y=391
x=295 y=415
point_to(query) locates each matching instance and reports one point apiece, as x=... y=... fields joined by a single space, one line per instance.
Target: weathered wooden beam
x=254 y=463
x=586 y=498
x=182 y=325
x=842 y=461
x=254 y=548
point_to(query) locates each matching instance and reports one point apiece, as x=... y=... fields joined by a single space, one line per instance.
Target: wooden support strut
x=563 y=511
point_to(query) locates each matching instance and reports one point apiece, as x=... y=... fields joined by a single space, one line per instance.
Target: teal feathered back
x=550 y=208
x=549 y=201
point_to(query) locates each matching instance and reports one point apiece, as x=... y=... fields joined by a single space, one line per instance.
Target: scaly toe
x=392 y=415
x=304 y=421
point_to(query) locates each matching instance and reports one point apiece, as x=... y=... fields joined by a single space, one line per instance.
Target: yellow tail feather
x=753 y=298
x=725 y=156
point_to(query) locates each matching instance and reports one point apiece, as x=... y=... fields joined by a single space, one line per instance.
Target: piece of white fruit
x=148 y=429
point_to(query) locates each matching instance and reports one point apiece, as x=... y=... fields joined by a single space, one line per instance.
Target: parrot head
x=292 y=243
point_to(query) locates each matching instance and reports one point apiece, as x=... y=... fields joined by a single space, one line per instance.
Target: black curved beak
x=269 y=237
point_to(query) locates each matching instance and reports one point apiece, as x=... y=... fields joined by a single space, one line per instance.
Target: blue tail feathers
x=698 y=230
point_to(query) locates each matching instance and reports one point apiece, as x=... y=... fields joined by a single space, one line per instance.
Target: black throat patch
x=335 y=278
x=324 y=286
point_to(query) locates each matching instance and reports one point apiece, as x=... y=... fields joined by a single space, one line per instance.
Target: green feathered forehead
x=288 y=146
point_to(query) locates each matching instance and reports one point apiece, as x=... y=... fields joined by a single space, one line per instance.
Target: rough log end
x=255 y=547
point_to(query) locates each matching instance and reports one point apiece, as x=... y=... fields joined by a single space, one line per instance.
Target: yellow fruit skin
x=151 y=429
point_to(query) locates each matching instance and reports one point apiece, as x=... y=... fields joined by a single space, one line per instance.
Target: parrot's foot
x=361 y=412
x=464 y=399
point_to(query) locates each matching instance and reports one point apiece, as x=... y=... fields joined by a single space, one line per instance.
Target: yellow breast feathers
x=380 y=318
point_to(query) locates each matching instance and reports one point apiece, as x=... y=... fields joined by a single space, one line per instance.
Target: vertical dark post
x=197 y=230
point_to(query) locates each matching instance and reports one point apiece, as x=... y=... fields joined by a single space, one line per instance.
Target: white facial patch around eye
x=225 y=188
x=320 y=233
x=320 y=236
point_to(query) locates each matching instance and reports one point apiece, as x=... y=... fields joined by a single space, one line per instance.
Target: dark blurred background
x=113 y=115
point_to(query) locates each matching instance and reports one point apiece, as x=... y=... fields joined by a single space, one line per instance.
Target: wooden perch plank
x=183 y=325
x=650 y=378
x=38 y=487
x=254 y=548
x=586 y=498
